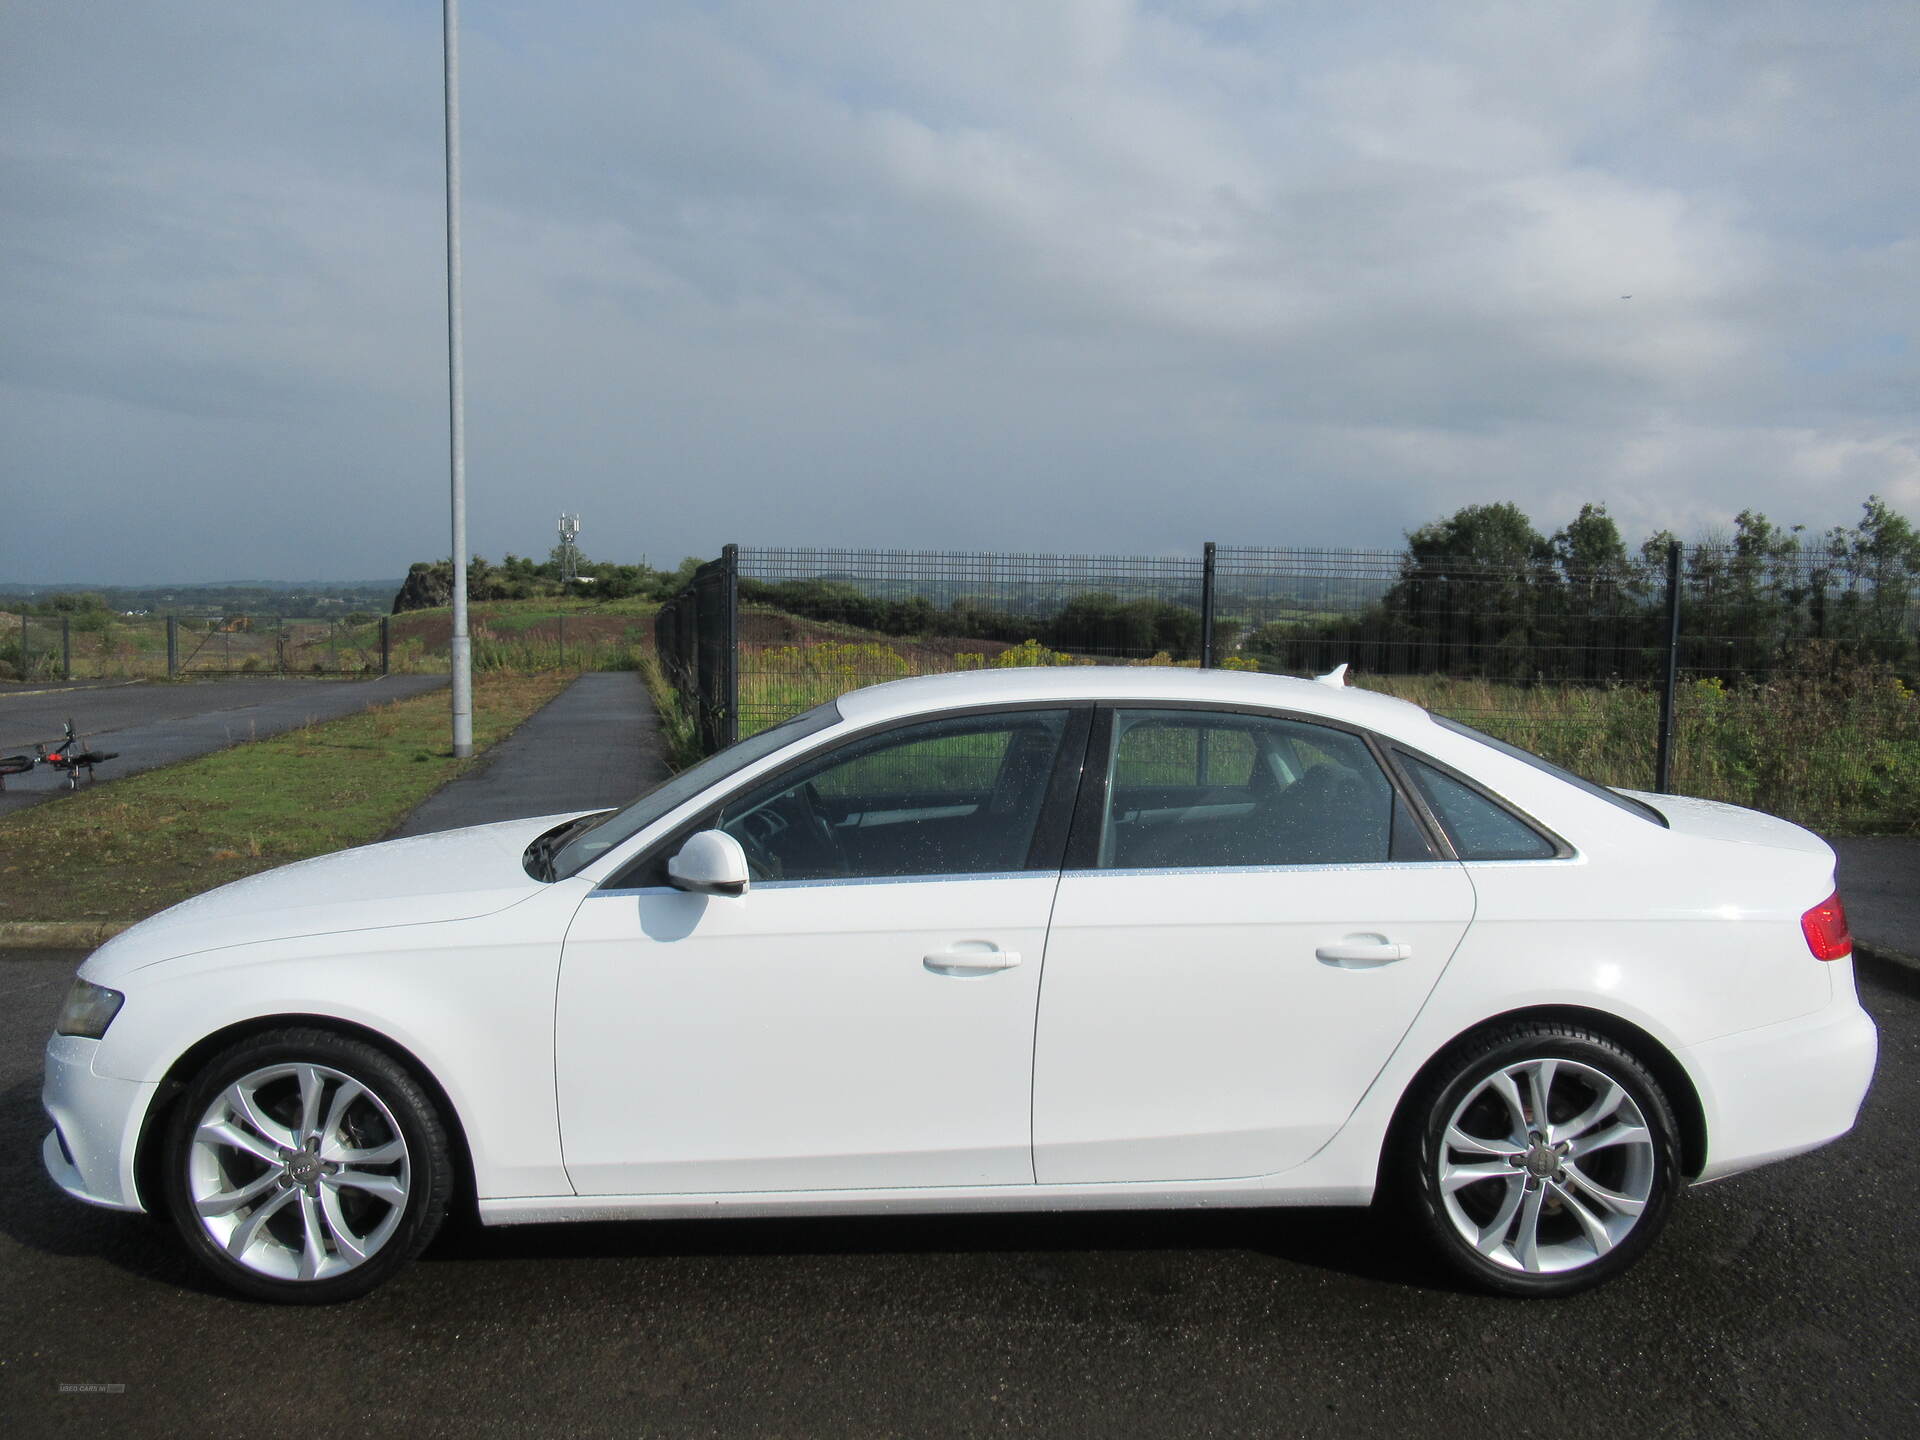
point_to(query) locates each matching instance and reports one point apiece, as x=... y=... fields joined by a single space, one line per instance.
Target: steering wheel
x=757 y=832
x=790 y=837
x=820 y=829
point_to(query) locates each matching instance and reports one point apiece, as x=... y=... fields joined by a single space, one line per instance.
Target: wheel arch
x=1688 y=1112
x=180 y=1073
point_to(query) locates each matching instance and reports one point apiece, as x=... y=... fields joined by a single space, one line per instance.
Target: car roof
x=1129 y=684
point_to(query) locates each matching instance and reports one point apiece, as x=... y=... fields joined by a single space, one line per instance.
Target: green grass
x=679 y=733
x=1837 y=751
x=127 y=849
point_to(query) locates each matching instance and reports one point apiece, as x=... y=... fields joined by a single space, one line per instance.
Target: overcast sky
x=1079 y=275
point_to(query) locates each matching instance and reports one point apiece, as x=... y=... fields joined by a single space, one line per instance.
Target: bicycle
x=70 y=755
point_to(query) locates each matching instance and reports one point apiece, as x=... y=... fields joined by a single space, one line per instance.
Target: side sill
x=1191 y=1195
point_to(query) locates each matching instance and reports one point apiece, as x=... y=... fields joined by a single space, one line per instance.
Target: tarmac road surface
x=1778 y=1303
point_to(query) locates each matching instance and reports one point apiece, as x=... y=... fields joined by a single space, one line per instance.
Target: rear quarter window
x=1479 y=828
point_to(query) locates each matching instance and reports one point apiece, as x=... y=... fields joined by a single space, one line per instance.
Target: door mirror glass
x=710 y=863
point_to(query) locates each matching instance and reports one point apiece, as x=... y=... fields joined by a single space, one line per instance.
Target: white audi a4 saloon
x=1040 y=939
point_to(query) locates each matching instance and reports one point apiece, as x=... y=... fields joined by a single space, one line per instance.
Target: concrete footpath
x=595 y=744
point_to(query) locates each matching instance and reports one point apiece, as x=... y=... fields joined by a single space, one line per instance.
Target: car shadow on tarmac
x=1353 y=1242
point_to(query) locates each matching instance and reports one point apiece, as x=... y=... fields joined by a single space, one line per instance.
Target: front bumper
x=96 y=1125
x=1784 y=1089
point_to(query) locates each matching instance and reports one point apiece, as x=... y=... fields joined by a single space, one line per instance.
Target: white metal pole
x=456 y=392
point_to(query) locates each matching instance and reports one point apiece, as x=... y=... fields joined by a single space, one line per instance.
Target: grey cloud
x=1084 y=276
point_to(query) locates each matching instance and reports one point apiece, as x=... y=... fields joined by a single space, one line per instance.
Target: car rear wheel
x=1544 y=1160
x=306 y=1167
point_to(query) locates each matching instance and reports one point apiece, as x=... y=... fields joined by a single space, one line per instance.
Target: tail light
x=1825 y=927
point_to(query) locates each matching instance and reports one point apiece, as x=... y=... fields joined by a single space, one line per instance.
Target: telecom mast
x=569 y=549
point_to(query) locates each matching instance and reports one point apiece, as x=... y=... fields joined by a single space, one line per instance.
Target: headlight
x=89 y=1010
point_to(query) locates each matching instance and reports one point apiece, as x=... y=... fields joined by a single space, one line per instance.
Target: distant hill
x=38 y=590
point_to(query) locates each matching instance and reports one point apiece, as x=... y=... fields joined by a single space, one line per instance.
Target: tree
x=1482 y=538
x=74 y=602
x=1880 y=557
x=1590 y=546
x=1471 y=583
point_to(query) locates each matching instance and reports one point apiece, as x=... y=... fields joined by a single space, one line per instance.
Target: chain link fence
x=1783 y=681
x=97 y=645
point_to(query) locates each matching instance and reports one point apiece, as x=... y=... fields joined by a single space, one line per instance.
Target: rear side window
x=1200 y=789
x=1479 y=829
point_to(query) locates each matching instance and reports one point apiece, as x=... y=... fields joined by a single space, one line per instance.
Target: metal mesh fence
x=1790 y=675
x=694 y=635
x=1312 y=609
x=816 y=623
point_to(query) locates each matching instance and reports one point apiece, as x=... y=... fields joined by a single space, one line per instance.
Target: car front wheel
x=1544 y=1160
x=306 y=1167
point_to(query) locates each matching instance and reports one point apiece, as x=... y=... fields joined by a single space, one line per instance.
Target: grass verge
x=1837 y=749
x=136 y=846
x=678 y=730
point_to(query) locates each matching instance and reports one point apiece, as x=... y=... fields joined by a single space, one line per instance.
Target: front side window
x=957 y=796
x=1192 y=789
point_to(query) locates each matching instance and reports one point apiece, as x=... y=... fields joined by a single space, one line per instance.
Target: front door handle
x=1363 y=952
x=971 y=957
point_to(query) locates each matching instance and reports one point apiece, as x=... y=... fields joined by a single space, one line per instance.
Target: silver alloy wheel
x=298 y=1172
x=1546 y=1165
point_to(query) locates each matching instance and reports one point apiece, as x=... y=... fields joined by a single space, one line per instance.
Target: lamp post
x=462 y=653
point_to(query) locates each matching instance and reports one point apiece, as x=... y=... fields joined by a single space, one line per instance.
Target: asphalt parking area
x=151 y=724
x=1778 y=1303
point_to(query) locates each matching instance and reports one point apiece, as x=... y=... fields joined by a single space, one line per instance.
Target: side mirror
x=710 y=863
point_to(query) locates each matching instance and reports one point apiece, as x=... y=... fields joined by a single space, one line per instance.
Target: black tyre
x=305 y=1167
x=1540 y=1159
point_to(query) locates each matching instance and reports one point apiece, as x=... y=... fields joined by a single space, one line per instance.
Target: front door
x=863 y=1017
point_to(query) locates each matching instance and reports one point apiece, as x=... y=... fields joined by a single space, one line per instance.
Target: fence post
x=730 y=664
x=173 y=646
x=1663 y=753
x=66 y=647
x=1207 y=657
x=386 y=644
x=24 y=662
x=563 y=641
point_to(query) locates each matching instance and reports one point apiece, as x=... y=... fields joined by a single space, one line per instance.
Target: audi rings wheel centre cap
x=1542 y=1162
x=304 y=1168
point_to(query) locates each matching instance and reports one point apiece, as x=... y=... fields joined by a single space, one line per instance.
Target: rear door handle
x=1363 y=952
x=975 y=957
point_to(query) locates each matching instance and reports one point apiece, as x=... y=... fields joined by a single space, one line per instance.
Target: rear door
x=1249 y=922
